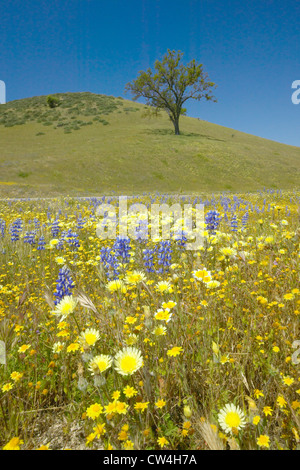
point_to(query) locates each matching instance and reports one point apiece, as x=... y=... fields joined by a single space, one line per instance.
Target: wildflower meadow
x=133 y=343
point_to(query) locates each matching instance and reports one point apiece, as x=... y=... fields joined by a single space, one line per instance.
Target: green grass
x=91 y=144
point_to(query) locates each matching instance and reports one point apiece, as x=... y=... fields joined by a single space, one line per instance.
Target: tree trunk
x=176 y=126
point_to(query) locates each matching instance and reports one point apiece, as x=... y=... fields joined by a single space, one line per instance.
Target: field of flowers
x=143 y=344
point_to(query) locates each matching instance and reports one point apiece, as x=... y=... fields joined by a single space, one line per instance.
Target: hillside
x=93 y=144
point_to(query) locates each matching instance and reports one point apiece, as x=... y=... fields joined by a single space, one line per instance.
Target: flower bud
x=187 y=411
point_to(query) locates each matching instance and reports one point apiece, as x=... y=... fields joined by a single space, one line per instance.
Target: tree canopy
x=171 y=84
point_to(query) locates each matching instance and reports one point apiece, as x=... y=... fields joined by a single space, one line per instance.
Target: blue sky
x=251 y=50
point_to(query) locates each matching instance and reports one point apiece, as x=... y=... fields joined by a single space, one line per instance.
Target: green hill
x=94 y=144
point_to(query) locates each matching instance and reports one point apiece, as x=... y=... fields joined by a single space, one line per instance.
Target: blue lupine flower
x=71 y=238
x=2 y=227
x=110 y=263
x=164 y=256
x=212 y=220
x=245 y=219
x=148 y=259
x=234 y=223
x=37 y=223
x=181 y=239
x=41 y=243
x=64 y=284
x=15 y=230
x=29 y=237
x=141 y=230
x=55 y=229
x=121 y=248
x=80 y=222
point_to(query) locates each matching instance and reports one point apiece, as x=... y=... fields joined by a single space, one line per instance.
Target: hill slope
x=93 y=144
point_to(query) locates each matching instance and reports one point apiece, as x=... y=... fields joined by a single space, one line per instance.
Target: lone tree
x=171 y=85
x=52 y=101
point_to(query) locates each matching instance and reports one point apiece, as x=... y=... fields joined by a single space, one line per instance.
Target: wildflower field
x=143 y=344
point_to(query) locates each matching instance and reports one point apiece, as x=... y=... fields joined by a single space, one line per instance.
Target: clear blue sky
x=251 y=50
